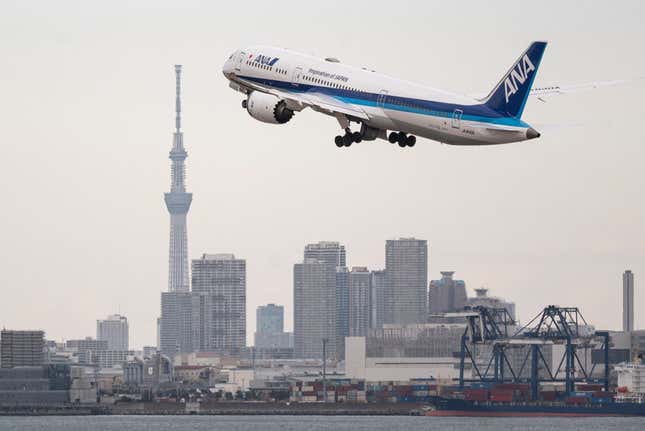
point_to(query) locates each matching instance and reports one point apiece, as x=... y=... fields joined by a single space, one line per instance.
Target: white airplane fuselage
x=382 y=103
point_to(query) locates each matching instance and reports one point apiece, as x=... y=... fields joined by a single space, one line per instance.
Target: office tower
x=270 y=335
x=628 y=301
x=342 y=309
x=269 y=319
x=330 y=252
x=447 y=294
x=406 y=268
x=175 y=330
x=381 y=307
x=22 y=348
x=314 y=299
x=219 y=303
x=359 y=301
x=114 y=330
x=178 y=203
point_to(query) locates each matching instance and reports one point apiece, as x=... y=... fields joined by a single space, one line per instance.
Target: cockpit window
x=231 y=56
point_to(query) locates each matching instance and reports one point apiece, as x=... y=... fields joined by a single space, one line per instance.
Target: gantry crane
x=553 y=325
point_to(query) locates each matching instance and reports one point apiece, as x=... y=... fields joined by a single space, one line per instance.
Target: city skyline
x=550 y=221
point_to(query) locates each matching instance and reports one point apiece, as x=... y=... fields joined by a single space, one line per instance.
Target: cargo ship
x=514 y=400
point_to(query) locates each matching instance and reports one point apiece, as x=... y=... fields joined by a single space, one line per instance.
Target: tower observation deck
x=178 y=203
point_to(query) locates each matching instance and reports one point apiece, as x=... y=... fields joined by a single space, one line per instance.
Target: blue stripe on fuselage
x=478 y=113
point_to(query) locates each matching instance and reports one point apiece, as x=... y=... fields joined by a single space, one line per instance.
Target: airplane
x=279 y=82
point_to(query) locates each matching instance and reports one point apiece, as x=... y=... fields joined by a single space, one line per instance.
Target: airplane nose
x=531 y=133
x=227 y=68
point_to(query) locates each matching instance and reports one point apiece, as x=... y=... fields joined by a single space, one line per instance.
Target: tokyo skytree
x=178 y=204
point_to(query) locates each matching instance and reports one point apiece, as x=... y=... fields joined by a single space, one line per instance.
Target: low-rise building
x=358 y=365
x=34 y=386
x=22 y=348
x=112 y=358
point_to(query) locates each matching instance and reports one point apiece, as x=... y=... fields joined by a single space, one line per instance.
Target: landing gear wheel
x=410 y=141
x=357 y=137
x=339 y=141
x=347 y=140
x=402 y=139
x=394 y=136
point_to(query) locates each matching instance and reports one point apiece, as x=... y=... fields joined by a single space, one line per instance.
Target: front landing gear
x=402 y=139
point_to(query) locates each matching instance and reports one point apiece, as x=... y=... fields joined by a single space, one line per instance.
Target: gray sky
x=87 y=117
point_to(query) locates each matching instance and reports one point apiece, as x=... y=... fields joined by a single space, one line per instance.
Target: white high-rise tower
x=178 y=204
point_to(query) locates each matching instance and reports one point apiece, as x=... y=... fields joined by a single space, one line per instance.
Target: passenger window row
x=266 y=67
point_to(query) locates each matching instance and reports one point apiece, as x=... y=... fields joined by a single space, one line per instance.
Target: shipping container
x=575 y=400
x=548 y=395
x=504 y=398
x=513 y=386
x=586 y=387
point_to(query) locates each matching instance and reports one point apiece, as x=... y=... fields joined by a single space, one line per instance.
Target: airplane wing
x=315 y=100
x=543 y=92
x=330 y=105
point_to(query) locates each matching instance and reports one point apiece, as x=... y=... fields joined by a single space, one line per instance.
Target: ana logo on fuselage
x=518 y=76
x=266 y=60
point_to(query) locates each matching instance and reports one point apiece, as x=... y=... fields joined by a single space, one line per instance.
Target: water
x=313 y=423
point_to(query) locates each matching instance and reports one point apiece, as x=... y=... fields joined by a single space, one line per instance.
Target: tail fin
x=509 y=96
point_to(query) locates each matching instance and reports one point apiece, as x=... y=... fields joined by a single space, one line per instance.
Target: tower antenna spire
x=178 y=97
x=178 y=202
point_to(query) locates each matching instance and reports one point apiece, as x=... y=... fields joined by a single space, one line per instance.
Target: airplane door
x=295 y=78
x=240 y=60
x=380 y=100
x=456 y=118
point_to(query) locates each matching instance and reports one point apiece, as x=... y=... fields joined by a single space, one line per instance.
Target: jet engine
x=267 y=108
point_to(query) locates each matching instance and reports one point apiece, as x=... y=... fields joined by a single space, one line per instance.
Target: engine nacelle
x=268 y=108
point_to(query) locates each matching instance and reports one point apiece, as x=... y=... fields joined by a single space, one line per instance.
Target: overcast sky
x=86 y=108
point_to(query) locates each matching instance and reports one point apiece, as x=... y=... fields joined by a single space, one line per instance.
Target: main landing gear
x=348 y=138
x=402 y=139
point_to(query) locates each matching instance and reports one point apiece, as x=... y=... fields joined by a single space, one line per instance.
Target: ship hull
x=454 y=407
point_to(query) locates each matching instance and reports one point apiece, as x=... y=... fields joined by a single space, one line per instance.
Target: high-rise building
x=270 y=337
x=175 y=324
x=628 y=301
x=314 y=299
x=173 y=327
x=178 y=203
x=22 y=348
x=219 y=303
x=381 y=307
x=330 y=252
x=406 y=269
x=342 y=309
x=483 y=300
x=447 y=294
x=359 y=301
x=269 y=319
x=114 y=330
